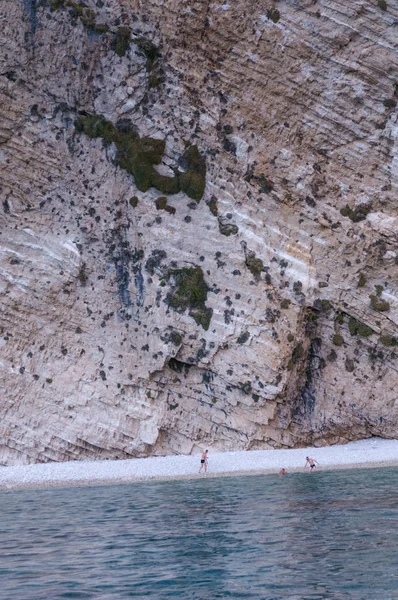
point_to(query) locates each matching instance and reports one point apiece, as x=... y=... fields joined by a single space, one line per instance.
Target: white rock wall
x=296 y=119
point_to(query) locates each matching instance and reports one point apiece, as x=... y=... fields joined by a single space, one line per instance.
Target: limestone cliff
x=198 y=225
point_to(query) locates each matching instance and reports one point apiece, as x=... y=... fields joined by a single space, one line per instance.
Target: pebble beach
x=373 y=452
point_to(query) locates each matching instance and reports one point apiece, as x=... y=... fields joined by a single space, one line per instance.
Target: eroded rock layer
x=198 y=225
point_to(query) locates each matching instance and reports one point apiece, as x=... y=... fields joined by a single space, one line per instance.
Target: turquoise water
x=325 y=535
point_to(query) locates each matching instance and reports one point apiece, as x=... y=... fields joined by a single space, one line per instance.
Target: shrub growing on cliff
x=298 y=353
x=227 y=228
x=358 y=328
x=339 y=318
x=212 y=204
x=388 y=340
x=193 y=181
x=79 y=11
x=338 y=339
x=255 y=265
x=189 y=292
x=359 y=213
x=121 y=41
x=161 y=203
x=244 y=336
x=138 y=156
x=149 y=49
x=273 y=14
x=83 y=277
x=297 y=287
x=378 y=304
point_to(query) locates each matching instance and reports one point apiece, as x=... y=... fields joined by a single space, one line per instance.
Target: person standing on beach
x=311 y=462
x=203 y=461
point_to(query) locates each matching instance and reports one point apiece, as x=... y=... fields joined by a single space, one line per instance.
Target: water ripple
x=320 y=536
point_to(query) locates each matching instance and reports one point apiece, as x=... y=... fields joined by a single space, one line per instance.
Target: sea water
x=324 y=535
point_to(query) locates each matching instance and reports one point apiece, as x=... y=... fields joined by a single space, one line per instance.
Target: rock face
x=141 y=314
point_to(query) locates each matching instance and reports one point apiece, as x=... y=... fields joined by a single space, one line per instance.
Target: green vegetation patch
x=359 y=213
x=153 y=81
x=388 y=340
x=149 y=50
x=298 y=353
x=79 y=11
x=378 y=304
x=83 y=277
x=244 y=336
x=193 y=181
x=212 y=204
x=273 y=14
x=338 y=339
x=339 y=318
x=138 y=156
x=358 y=328
x=189 y=292
x=227 y=228
x=175 y=338
x=390 y=103
x=255 y=265
x=121 y=41
x=326 y=306
x=161 y=203
x=379 y=290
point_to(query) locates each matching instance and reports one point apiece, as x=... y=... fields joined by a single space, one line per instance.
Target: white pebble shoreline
x=373 y=452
